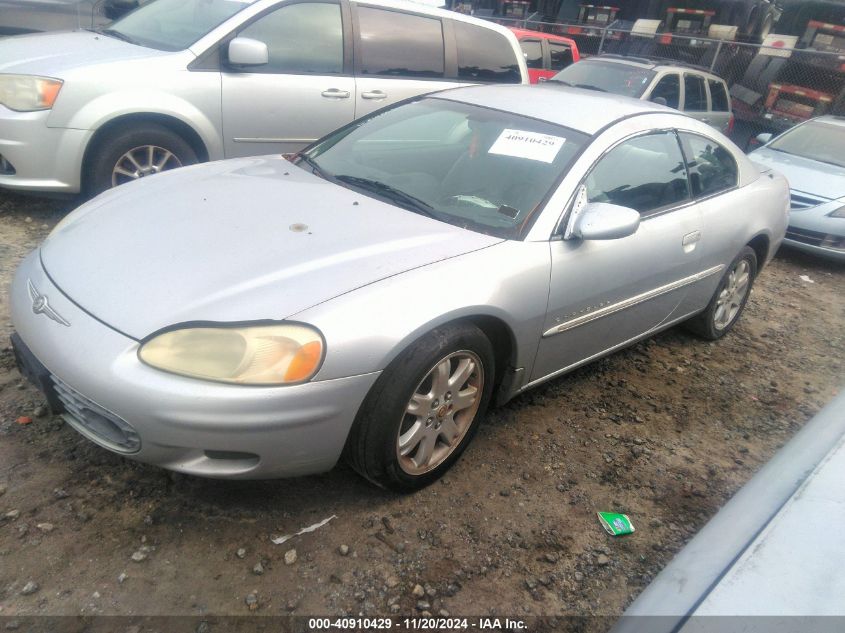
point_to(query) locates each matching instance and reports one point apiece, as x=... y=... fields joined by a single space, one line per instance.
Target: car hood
x=238 y=240
x=53 y=54
x=805 y=175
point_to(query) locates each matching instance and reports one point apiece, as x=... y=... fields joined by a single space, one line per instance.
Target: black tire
x=372 y=448
x=110 y=150
x=707 y=324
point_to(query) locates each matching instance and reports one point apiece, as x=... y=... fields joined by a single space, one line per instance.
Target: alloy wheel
x=143 y=161
x=732 y=295
x=440 y=412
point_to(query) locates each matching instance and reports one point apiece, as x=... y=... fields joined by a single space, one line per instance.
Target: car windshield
x=620 y=79
x=816 y=140
x=173 y=25
x=474 y=167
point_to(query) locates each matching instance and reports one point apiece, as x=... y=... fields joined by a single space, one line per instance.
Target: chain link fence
x=772 y=86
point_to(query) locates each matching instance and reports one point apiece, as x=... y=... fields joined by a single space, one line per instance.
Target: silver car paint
x=105 y=79
x=811 y=180
x=524 y=286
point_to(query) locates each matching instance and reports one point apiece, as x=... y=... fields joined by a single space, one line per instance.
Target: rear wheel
x=424 y=409
x=729 y=300
x=134 y=153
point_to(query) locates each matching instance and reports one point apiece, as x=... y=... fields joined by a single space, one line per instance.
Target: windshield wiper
x=394 y=195
x=117 y=35
x=315 y=168
x=589 y=87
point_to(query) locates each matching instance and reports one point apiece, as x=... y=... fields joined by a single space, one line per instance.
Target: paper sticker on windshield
x=530 y=145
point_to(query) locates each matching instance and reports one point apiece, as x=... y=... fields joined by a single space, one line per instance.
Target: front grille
x=813 y=238
x=799 y=200
x=96 y=423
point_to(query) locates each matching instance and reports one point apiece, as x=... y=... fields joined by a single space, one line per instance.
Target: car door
x=695 y=103
x=532 y=48
x=667 y=88
x=305 y=90
x=605 y=293
x=720 y=108
x=397 y=55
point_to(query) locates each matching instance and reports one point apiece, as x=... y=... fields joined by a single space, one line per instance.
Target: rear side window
x=711 y=167
x=400 y=44
x=533 y=50
x=645 y=173
x=669 y=88
x=301 y=38
x=485 y=55
x=718 y=96
x=695 y=98
x=561 y=55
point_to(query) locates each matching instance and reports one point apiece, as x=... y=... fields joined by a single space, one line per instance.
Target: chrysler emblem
x=40 y=305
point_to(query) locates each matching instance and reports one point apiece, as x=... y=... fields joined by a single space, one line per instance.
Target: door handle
x=375 y=95
x=334 y=93
x=691 y=238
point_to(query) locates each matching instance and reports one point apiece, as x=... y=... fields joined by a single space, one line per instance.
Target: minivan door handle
x=375 y=95
x=691 y=238
x=335 y=93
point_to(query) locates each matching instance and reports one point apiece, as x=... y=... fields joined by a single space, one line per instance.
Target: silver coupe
x=368 y=298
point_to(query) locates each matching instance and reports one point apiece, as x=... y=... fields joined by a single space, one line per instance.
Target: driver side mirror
x=603 y=221
x=244 y=51
x=659 y=101
x=764 y=138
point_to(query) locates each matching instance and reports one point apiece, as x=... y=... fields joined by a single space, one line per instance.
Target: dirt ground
x=665 y=431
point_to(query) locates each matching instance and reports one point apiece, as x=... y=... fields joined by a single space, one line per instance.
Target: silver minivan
x=691 y=89
x=183 y=81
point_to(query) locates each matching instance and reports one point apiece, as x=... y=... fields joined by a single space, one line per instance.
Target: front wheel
x=133 y=153
x=424 y=409
x=729 y=300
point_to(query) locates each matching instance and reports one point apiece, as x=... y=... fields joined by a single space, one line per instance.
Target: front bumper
x=37 y=157
x=813 y=231
x=186 y=425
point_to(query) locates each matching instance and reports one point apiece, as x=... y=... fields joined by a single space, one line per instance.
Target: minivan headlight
x=275 y=354
x=26 y=93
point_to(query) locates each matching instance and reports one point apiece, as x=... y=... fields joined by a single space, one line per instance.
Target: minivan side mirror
x=604 y=221
x=244 y=51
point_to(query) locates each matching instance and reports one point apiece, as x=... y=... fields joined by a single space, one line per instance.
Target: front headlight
x=26 y=93
x=278 y=354
x=839 y=213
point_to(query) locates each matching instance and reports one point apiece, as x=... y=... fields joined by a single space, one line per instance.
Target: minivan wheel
x=729 y=300
x=132 y=154
x=424 y=409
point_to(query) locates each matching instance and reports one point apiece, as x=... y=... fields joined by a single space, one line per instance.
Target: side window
x=712 y=168
x=718 y=96
x=695 y=97
x=400 y=44
x=645 y=173
x=533 y=50
x=561 y=55
x=669 y=87
x=302 y=38
x=485 y=55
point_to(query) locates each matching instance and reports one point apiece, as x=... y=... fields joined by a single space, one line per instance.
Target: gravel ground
x=665 y=431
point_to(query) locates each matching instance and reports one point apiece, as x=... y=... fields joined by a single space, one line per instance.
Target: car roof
x=586 y=111
x=541 y=35
x=652 y=64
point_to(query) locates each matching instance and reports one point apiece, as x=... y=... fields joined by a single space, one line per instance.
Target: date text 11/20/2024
x=417 y=624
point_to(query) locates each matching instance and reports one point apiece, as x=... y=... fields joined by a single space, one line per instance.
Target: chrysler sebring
x=369 y=297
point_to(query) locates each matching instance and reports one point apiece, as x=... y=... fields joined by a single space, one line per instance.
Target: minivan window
x=644 y=174
x=561 y=55
x=718 y=96
x=474 y=167
x=695 y=98
x=533 y=50
x=400 y=44
x=173 y=25
x=302 y=38
x=485 y=55
x=712 y=168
